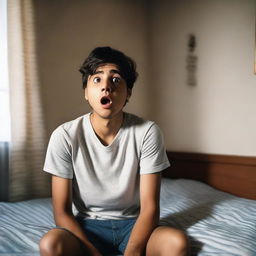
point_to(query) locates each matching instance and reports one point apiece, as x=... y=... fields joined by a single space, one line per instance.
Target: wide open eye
x=96 y=80
x=116 y=80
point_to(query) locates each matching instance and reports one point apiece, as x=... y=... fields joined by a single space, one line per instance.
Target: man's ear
x=129 y=93
x=85 y=93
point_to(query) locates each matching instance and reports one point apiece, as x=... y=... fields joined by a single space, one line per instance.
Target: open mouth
x=105 y=100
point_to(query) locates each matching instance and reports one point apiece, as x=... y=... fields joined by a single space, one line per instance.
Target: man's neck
x=106 y=129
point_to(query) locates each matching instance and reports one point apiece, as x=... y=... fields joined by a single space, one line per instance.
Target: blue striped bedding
x=217 y=223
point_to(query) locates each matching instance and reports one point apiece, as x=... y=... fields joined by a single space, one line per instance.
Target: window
x=4 y=88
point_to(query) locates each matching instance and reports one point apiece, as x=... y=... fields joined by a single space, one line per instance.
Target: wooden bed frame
x=232 y=174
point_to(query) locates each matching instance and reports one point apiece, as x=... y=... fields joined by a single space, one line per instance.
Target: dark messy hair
x=103 y=55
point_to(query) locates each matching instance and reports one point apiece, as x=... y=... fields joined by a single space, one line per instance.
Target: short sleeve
x=153 y=154
x=58 y=160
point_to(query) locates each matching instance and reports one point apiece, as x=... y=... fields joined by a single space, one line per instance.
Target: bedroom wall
x=217 y=113
x=67 y=31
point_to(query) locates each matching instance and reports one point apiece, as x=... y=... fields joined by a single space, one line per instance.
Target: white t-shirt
x=106 y=178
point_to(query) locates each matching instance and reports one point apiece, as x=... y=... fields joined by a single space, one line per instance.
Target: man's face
x=106 y=91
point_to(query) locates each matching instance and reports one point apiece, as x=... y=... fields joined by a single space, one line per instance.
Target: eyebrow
x=115 y=71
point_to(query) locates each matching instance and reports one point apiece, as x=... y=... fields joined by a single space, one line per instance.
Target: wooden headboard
x=233 y=174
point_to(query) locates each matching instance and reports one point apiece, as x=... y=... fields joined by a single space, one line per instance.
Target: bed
x=211 y=197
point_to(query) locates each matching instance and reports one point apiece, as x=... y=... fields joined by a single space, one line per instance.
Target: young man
x=108 y=164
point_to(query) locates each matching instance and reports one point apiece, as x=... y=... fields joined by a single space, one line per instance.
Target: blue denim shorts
x=110 y=237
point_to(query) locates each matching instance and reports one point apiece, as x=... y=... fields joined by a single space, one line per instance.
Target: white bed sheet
x=217 y=223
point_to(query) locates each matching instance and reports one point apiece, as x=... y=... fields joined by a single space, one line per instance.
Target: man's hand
x=149 y=214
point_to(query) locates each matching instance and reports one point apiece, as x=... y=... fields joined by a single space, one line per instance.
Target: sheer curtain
x=4 y=104
x=27 y=148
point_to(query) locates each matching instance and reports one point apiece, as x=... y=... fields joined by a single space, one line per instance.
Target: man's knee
x=173 y=242
x=51 y=244
x=177 y=240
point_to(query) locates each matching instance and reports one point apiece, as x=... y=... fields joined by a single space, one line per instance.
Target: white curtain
x=27 y=148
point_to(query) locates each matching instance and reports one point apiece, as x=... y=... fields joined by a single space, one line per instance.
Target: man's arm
x=62 y=206
x=149 y=214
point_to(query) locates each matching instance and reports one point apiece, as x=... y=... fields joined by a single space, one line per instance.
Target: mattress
x=217 y=223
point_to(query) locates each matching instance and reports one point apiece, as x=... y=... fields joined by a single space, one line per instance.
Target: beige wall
x=217 y=115
x=67 y=31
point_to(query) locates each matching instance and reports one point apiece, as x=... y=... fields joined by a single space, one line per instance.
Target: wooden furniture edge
x=203 y=157
x=229 y=173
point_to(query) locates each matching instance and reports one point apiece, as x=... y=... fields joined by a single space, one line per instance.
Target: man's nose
x=107 y=86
